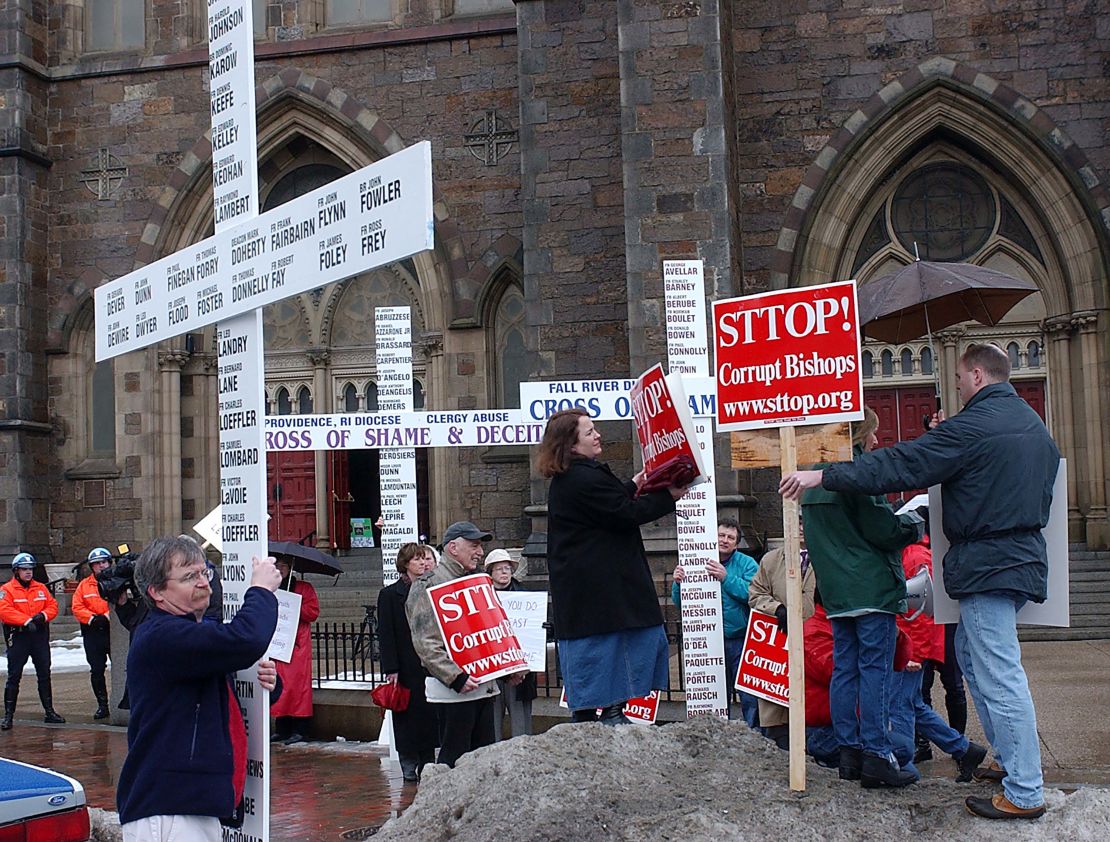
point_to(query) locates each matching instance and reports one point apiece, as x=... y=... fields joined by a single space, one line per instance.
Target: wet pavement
x=328 y=791
x=318 y=791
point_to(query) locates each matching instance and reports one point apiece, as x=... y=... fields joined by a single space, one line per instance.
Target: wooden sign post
x=785 y=359
x=794 y=641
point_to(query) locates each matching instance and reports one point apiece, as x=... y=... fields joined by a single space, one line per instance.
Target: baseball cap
x=465 y=529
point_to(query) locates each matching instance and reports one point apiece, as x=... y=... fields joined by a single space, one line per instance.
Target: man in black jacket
x=996 y=464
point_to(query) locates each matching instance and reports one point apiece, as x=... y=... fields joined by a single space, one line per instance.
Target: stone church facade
x=575 y=146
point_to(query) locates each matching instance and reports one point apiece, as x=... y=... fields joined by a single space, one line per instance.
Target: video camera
x=119 y=576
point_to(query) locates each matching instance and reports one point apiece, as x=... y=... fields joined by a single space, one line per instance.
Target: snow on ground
x=698 y=781
x=66 y=655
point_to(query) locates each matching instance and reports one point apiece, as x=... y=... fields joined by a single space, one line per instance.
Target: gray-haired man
x=467 y=705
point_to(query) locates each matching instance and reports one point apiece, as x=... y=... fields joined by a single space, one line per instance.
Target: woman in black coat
x=608 y=624
x=415 y=729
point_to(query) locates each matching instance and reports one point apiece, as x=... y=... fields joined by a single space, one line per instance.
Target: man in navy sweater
x=186 y=760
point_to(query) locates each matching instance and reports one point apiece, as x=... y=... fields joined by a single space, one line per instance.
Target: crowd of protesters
x=869 y=661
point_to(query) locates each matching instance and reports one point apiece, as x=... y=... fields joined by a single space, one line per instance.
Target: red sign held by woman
x=672 y=455
x=475 y=628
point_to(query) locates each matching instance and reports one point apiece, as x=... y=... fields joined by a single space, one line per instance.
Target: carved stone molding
x=1085 y=321
x=1058 y=327
x=170 y=360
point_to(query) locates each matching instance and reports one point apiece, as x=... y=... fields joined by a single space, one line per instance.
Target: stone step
x=1077 y=597
x=1039 y=633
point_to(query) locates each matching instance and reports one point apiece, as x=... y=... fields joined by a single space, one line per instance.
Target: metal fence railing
x=345 y=653
x=348 y=653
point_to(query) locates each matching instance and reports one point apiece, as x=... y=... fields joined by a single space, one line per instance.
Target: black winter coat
x=416 y=729
x=996 y=465
x=395 y=639
x=600 y=579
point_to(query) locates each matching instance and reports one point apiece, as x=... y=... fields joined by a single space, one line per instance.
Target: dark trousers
x=25 y=644
x=287 y=726
x=98 y=644
x=466 y=726
x=952 y=679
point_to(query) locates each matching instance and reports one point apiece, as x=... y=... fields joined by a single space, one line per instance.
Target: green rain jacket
x=855 y=545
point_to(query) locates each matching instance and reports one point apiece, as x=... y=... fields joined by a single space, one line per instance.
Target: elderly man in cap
x=467 y=705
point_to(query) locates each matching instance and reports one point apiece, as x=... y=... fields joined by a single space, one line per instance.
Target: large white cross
x=377 y=215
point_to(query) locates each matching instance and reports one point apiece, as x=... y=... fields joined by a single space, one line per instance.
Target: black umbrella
x=305 y=559
x=925 y=296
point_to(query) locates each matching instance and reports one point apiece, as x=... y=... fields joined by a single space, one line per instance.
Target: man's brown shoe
x=994 y=773
x=1000 y=807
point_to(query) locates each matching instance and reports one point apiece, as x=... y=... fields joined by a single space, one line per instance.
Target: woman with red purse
x=416 y=728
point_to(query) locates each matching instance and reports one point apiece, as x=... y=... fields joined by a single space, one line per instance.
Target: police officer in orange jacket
x=91 y=612
x=26 y=609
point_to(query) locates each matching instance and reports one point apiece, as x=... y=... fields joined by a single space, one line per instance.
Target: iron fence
x=348 y=653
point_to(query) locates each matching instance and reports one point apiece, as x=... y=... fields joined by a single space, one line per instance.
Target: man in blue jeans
x=996 y=464
x=735 y=572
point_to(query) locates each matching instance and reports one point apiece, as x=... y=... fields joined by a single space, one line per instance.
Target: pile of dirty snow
x=699 y=780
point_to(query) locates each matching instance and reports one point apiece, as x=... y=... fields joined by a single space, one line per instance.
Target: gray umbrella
x=925 y=296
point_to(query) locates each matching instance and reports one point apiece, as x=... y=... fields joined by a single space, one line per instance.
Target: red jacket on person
x=296 y=676
x=926 y=637
x=817 y=632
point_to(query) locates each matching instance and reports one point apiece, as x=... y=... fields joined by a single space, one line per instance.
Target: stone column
x=1098 y=530
x=676 y=127
x=572 y=195
x=950 y=340
x=26 y=447
x=1058 y=331
x=320 y=404
x=169 y=491
x=439 y=458
x=210 y=453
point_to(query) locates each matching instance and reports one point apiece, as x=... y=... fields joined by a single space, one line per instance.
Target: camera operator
x=26 y=609
x=91 y=611
x=117 y=588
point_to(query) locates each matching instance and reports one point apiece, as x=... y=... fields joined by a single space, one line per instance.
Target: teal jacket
x=740 y=569
x=855 y=545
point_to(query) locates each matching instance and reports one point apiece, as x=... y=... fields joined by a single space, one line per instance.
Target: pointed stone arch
x=943 y=97
x=295 y=102
x=491 y=272
x=942 y=101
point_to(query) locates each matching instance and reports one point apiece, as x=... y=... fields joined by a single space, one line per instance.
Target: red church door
x=291 y=496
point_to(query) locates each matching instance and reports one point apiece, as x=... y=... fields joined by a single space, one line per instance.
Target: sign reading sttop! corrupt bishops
x=789 y=357
x=475 y=628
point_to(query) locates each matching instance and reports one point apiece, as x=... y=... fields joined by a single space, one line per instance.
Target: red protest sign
x=643 y=709
x=475 y=629
x=672 y=455
x=788 y=357
x=764 y=668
